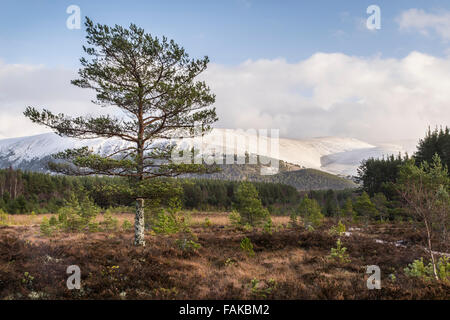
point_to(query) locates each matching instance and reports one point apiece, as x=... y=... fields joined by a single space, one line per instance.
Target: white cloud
x=334 y=94
x=418 y=19
x=41 y=87
x=372 y=99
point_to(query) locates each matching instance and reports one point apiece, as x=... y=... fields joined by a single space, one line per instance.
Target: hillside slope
x=336 y=155
x=301 y=179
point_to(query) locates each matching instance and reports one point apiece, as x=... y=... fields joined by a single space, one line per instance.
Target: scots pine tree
x=309 y=210
x=365 y=208
x=249 y=205
x=152 y=84
x=347 y=209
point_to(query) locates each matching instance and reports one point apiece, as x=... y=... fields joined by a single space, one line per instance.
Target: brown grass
x=294 y=259
x=197 y=218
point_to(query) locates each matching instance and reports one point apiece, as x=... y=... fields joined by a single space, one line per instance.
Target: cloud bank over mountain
x=374 y=99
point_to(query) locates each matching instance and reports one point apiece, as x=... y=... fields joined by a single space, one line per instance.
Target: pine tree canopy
x=152 y=84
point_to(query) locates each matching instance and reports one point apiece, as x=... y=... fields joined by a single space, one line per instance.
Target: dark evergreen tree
x=331 y=204
x=365 y=208
x=435 y=142
x=249 y=205
x=379 y=175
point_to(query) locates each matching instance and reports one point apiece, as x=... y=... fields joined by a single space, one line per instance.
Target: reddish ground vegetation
x=289 y=264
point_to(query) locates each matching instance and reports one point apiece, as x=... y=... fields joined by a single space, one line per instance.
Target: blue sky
x=308 y=68
x=229 y=32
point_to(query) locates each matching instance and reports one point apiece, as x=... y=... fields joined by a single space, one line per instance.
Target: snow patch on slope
x=336 y=155
x=31 y=148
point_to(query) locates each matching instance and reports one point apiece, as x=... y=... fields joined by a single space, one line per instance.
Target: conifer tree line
x=380 y=175
x=45 y=193
x=384 y=180
x=24 y=192
x=11 y=183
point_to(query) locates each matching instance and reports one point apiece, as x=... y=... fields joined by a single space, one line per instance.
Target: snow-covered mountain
x=33 y=152
x=335 y=155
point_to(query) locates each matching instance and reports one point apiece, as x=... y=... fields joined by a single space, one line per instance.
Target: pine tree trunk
x=139 y=227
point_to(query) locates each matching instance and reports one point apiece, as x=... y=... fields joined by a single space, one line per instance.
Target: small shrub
x=365 y=208
x=77 y=215
x=262 y=289
x=443 y=268
x=47 y=229
x=109 y=223
x=339 y=253
x=70 y=220
x=53 y=221
x=127 y=225
x=418 y=269
x=112 y=273
x=294 y=220
x=174 y=205
x=164 y=224
x=347 y=209
x=27 y=280
x=152 y=209
x=247 y=247
x=207 y=223
x=94 y=227
x=170 y=223
x=268 y=226
x=309 y=210
x=230 y=262
x=235 y=218
x=4 y=218
x=188 y=245
x=339 y=229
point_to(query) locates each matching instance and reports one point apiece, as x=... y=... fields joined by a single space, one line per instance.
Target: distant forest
x=289 y=174
x=26 y=192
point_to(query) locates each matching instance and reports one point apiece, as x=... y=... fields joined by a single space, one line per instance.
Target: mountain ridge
x=335 y=155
